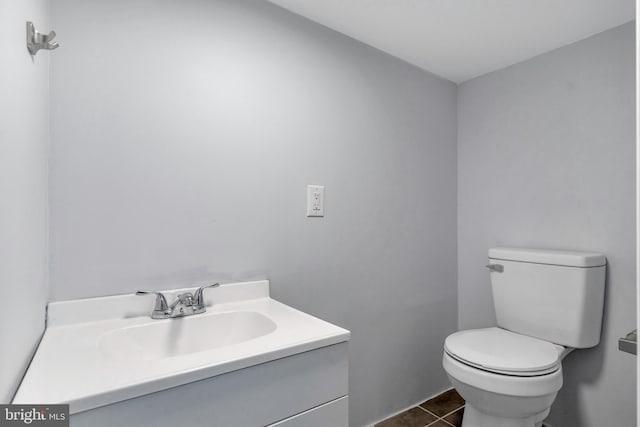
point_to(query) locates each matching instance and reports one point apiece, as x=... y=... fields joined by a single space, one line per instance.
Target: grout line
x=445 y=415
x=438 y=418
x=455 y=410
x=428 y=412
x=409 y=408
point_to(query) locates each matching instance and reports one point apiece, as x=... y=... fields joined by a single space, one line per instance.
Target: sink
x=103 y=350
x=177 y=337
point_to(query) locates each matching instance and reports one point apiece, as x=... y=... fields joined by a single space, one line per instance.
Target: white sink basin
x=98 y=351
x=181 y=336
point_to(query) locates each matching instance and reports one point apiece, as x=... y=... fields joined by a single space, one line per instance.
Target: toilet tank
x=553 y=295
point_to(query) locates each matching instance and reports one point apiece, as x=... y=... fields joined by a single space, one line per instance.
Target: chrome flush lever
x=498 y=268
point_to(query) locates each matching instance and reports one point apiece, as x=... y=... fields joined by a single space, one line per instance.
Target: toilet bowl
x=511 y=381
x=547 y=303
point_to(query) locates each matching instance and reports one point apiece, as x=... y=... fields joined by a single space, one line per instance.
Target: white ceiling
x=462 y=39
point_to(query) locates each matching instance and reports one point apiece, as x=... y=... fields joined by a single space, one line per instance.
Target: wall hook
x=37 y=41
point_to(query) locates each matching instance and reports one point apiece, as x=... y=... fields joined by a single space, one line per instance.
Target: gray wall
x=546 y=158
x=184 y=134
x=24 y=138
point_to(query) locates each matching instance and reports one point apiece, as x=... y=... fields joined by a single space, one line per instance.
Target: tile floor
x=444 y=410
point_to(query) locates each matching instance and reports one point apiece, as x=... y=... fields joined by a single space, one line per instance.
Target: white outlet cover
x=315 y=200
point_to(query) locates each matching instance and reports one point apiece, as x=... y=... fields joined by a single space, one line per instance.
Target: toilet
x=547 y=303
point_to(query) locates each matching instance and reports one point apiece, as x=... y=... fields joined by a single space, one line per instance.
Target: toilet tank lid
x=548 y=256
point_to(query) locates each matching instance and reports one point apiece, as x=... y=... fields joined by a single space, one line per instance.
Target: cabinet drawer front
x=256 y=396
x=334 y=414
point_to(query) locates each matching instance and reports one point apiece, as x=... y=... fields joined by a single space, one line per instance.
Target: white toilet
x=547 y=303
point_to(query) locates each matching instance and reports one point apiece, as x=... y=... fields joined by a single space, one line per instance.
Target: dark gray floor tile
x=443 y=404
x=455 y=418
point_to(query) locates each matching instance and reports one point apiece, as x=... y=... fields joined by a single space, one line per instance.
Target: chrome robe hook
x=37 y=41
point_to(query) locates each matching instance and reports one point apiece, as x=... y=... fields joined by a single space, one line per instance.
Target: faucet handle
x=161 y=301
x=198 y=297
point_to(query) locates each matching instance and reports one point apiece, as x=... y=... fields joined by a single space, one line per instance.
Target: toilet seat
x=504 y=352
x=505 y=385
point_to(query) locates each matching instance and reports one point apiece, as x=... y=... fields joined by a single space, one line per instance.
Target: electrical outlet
x=315 y=200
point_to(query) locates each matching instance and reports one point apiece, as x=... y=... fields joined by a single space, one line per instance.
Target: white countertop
x=71 y=367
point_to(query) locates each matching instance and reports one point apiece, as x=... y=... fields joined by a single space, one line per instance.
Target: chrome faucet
x=185 y=304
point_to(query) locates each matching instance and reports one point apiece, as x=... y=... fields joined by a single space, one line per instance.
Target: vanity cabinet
x=304 y=390
x=247 y=360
